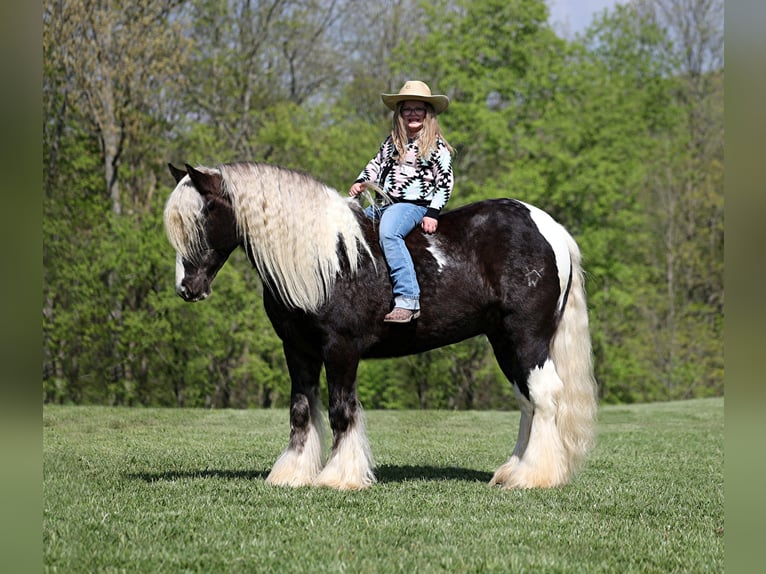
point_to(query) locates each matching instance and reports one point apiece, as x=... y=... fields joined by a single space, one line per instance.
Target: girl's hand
x=429 y=224
x=356 y=189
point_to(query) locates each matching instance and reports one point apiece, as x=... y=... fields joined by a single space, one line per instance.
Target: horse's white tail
x=572 y=357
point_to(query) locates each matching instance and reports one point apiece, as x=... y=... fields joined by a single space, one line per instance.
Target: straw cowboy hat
x=415 y=90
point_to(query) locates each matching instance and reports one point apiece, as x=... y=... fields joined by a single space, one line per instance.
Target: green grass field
x=152 y=490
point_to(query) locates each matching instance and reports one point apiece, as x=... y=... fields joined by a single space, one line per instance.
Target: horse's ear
x=205 y=183
x=178 y=174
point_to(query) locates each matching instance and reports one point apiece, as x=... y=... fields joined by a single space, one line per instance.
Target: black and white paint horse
x=498 y=267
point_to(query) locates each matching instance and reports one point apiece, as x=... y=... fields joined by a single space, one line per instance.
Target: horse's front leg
x=301 y=461
x=350 y=465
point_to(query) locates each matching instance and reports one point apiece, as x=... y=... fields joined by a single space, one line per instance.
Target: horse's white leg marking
x=543 y=463
x=179 y=271
x=299 y=467
x=350 y=466
x=503 y=473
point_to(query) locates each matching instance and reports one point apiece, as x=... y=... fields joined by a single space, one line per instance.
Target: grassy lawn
x=152 y=490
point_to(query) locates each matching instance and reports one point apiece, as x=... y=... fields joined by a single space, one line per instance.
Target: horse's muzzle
x=189 y=296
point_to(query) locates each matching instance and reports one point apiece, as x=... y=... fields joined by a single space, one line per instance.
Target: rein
x=371 y=189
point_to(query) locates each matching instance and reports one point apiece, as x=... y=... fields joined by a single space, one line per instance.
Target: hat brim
x=439 y=102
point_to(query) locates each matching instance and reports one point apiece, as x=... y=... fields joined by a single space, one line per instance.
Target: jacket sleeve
x=444 y=180
x=371 y=171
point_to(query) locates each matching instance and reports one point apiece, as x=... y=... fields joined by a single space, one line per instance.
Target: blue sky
x=569 y=17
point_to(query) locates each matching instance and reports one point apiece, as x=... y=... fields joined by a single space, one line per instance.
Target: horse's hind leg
x=350 y=465
x=300 y=463
x=504 y=473
x=539 y=458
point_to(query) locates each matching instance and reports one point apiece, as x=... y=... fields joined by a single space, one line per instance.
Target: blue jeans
x=396 y=221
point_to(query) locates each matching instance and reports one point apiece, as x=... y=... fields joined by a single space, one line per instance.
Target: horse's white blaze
x=179 y=270
x=350 y=466
x=555 y=235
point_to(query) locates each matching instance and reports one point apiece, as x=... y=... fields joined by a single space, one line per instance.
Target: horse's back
x=491 y=253
x=487 y=265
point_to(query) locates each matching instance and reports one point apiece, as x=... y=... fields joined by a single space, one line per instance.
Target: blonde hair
x=428 y=136
x=292 y=225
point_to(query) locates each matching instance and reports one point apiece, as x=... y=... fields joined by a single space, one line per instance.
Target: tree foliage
x=618 y=133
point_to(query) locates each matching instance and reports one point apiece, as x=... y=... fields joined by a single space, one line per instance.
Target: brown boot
x=400 y=315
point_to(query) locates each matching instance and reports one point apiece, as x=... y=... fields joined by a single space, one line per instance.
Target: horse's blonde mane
x=184 y=222
x=292 y=225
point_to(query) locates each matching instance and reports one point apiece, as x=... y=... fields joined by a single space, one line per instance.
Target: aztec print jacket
x=427 y=182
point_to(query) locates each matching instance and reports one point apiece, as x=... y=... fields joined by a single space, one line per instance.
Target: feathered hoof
x=329 y=478
x=291 y=469
x=292 y=482
x=296 y=481
x=504 y=475
x=515 y=474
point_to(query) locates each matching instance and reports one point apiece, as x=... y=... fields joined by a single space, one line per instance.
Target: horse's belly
x=412 y=338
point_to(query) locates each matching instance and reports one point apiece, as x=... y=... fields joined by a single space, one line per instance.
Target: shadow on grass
x=395 y=473
x=385 y=473
x=173 y=475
